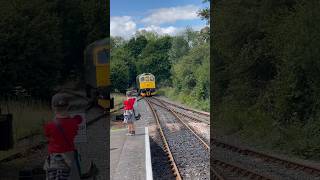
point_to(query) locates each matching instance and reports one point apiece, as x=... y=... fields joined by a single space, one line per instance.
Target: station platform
x=130 y=155
x=93 y=150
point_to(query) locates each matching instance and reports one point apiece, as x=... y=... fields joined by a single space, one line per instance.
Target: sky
x=162 y=16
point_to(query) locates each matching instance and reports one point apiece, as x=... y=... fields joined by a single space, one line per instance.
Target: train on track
x=146 y=84
x=97 y=72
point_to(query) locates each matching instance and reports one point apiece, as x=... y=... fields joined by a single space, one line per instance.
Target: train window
x=103 y=57
x=142 y=79
x=151 y=78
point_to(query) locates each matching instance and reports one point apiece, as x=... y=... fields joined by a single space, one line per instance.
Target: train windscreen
x=103 y=57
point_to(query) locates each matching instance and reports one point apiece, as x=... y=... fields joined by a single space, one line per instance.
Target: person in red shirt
x=61 y=162
x=128 y=114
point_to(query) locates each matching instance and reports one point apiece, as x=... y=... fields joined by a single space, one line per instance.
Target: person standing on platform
x=62 y=161
x=129 y=116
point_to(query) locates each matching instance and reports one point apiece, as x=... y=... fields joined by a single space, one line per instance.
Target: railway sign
x=81 y=137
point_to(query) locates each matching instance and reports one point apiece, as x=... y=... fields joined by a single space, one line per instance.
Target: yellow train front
x=146 y=84
x=97 y=72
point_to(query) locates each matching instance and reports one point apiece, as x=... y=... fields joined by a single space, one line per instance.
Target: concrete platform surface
x=95 y=149
x=130 y=155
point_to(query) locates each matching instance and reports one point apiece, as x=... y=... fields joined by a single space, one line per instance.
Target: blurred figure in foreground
x=62 y=161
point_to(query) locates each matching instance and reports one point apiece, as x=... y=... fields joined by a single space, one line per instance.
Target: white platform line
x=148 y=156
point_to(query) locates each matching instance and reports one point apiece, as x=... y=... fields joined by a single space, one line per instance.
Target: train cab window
x=151 y=78
x=141 y=79
x=102 y=57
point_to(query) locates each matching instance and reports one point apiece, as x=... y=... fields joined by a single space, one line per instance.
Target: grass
x=184 y=98
x=28 y=116
x=259 y=130
x=118 y=100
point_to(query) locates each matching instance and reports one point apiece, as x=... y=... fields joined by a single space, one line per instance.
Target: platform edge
x=149 y=175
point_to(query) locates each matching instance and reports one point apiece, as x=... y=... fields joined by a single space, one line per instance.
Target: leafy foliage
x=180 y=62
x=266 y=69
x=155 y=59
x=42 y=42
x=205 y=12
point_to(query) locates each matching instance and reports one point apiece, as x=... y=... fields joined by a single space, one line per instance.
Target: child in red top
x=61 y=162
x=128 y=104
x=128 y=114
x=57 y=142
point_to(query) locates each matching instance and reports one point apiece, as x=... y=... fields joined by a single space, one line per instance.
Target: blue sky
x=162 y=16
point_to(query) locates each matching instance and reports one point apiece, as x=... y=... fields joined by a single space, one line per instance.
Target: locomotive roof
x=97 y=43
x=144 y=74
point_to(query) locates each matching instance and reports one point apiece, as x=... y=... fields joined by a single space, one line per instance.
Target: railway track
x=173 y=164
x=216 y=164
x=313 y=171
x=180 y=142
x=182 y=111
x=183 y=117
x=201 y=113
x=272 y=164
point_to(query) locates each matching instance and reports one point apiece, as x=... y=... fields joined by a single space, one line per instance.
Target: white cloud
x=171 y=15
x=170 y=30
x=126 y=26
x=122 y=26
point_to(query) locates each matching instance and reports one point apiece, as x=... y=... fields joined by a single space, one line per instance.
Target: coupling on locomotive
x=146 y=84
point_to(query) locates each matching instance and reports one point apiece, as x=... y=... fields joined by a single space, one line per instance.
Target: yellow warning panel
x=147 y=85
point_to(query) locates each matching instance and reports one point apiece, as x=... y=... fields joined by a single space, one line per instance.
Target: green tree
x=42 y=42
x=155 y=59
x=190 y=73
x=30 y=47
x=266 y=72
x=205 y=12
x=81 y=22
x=296 y=87
x=179 y=48
x=149 y=35
x=116 y=42
x=135 y=46
x=120 y=71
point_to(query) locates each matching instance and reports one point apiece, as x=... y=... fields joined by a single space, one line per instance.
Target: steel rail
x=174 y=166
x=240 y=171
x=184 y=108
x=216 y=175
x=187 y=126
x=185 y=115
x=268 y=158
